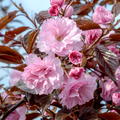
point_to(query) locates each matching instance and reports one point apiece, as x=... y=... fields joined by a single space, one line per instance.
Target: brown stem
x=12 y=109
x=24 y=12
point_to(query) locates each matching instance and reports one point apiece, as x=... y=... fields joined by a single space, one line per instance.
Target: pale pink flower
x=92 y=35
x=114 y=111
x=108 y=88
x=15 y=77
x=77 y=72
x=75 y=57
x=116 y=98
x=60 y=36
x=43 y=75
x=57 y=2
x=53 y=11
x=78 y=92
x=68 y=10
x=102 y=16
x=18 y=114
x=14 y=115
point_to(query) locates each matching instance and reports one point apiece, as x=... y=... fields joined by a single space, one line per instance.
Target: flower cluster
x=60 y=38
x=43 y=75
x=72 y=62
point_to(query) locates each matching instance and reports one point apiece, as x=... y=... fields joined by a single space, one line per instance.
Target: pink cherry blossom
x=75 y=57
x=57 y=2
x=14 y=115
x=43 y=75
x=54 y=10
x=60 y=36
x=76 y=72
x=108 y=88
x=116 y=98
x=92 y=35
x=18 y=114
x=102 y=16
x=15 y=77
x=78 y=92
x=68 y=10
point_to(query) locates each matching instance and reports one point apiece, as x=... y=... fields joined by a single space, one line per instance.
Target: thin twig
x=12 y=109
x=24 y=12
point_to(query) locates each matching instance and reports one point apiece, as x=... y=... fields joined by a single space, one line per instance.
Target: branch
x=24 y=12
x=13 y=108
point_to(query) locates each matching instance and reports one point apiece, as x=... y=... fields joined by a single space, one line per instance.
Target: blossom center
x=59 y=38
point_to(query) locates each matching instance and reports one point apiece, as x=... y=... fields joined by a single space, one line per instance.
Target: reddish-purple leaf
x=31 y=40
x=82 y=9
x=10 y=35
x=32 y=116
x=107 y=60
x=109 y=116
x=87 y=24
x=115 y=37
x=5 y=20
x=9 y=55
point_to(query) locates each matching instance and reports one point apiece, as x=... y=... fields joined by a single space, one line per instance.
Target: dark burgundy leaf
x=5 y=20
x=104 y=2
x=116 y=9
x=32 y=116
x=109 y=116
x=87 y=24
x=10 y=35
x=31 y=40
x=107 y=60
x=9 y=55
x=115 y=37
x=82 y=9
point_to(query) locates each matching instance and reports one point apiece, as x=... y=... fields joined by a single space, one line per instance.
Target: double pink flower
x=58 y=6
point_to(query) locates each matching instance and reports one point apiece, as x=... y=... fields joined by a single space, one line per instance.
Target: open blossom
x=77 y=72
x=102 y=16
x=92 y=35
x=57 y=2
x=108 y=88
x=116 y=98
x=78 y=91
x=15 y=77
x=43 y=75
x=60 y=36
x=75 y=57
x=68 y=10
x=54 y=10
x=18 y=114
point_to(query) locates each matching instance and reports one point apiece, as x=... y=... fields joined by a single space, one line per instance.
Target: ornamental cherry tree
x=65 y=67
